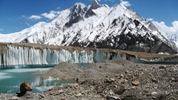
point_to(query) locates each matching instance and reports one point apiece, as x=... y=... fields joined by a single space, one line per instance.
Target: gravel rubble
x=109 y=80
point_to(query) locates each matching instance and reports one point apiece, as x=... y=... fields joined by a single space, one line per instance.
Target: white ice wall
x=31 y=56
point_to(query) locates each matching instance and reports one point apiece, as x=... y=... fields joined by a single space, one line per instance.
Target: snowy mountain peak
x=40 y=24
x=79 y=4
x=76 y=14
x=94 y=5
x=97 y=26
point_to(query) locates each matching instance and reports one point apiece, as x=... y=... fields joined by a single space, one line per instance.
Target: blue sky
x=15 y=15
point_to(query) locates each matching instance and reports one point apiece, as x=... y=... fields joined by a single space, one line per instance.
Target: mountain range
x=98 y=26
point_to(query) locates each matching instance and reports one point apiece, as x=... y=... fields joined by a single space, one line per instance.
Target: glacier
x=22 y=56
x=18 y=55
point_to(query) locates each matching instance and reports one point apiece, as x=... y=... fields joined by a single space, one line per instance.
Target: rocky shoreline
x=109 y=80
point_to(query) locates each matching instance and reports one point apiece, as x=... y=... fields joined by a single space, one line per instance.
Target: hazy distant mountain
x=97 y=26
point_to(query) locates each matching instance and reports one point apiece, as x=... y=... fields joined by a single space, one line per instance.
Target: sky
x=16 y=15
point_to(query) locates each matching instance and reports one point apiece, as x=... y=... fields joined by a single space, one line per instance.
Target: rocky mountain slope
x=97 y=26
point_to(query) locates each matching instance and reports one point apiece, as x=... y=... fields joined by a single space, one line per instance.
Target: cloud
x=125 y=3
x=170 y=30
x=150 y=19
x=23 y=16
x=35 y=17
x=1 y=29
x=27 y=23
x=58 y=8
x=50 y=15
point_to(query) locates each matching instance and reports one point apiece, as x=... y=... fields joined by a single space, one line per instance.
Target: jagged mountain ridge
x=97 y=26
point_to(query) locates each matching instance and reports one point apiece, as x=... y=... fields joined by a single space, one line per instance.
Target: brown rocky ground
x=110 y=80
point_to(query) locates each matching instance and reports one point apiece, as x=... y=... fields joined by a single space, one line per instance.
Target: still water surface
x=12 y=76
x=10 y=79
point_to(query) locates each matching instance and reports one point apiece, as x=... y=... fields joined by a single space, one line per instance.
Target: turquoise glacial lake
x=10 y=79
x=13 y=76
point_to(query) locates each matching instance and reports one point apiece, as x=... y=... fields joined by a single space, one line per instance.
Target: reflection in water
x=48 y=84
x=10 y=79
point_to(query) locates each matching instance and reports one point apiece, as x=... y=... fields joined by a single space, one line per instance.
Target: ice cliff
x=31 y=55
x=27 y=54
